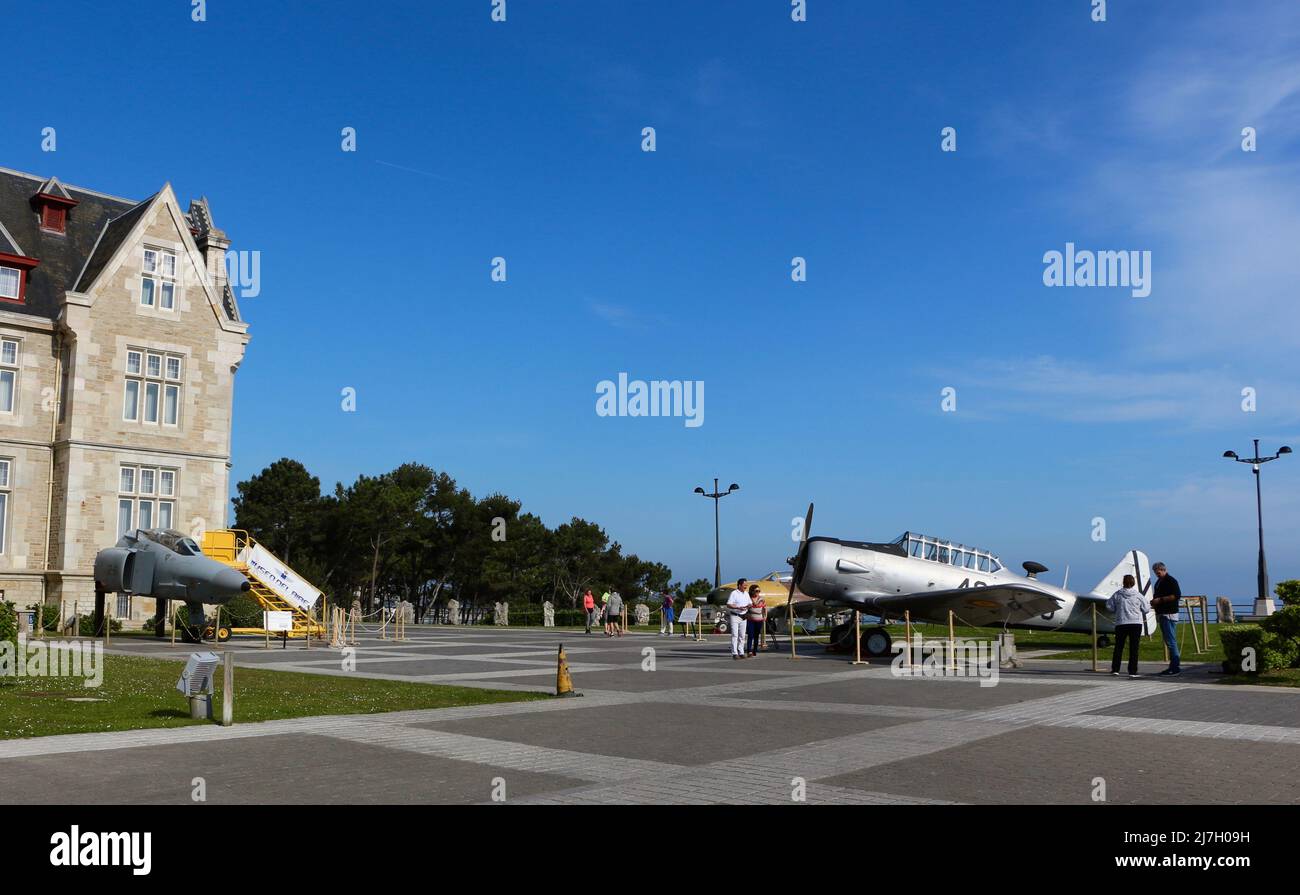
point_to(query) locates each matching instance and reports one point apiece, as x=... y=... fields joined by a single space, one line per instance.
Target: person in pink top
x=589 y=608
x=754 y=620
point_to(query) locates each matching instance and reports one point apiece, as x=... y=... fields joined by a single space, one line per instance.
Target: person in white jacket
x=1129 y=608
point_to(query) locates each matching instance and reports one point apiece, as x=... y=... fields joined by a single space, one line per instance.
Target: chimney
x=211 y=242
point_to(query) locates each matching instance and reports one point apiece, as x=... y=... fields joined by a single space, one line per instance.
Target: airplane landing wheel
x=876 y=642
x=842 y=638
x=1103 y=641
x=223 y=634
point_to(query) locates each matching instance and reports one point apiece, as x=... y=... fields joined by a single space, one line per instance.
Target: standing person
x=589 y=608
x=613 y=615
x=1129 y=609
x=1164 y=601
x=755 y=620
x=666 y=622
x=737 y=609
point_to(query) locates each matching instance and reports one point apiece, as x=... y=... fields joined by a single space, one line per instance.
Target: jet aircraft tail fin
x=1134 y=563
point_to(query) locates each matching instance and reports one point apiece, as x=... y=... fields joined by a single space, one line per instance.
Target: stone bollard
x=453 y=612
x=548 y=615
x=1226 y=615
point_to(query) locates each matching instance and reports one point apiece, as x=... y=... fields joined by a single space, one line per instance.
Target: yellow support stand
x=952 y=644
x=1094 y=637
x=1192 y=604
x=907 y=623
x=857 y=638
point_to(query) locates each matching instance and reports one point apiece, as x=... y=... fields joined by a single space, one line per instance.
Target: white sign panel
x=279 y=578
x=277 y=621
x=688 y=615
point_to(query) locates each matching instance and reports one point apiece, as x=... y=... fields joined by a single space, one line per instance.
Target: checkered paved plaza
x=693 y=726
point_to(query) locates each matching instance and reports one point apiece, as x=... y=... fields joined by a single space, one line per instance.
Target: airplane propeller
x=798 y=561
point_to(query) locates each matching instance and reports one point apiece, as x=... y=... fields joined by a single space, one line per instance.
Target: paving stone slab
x=679 y=734
x=286 y=769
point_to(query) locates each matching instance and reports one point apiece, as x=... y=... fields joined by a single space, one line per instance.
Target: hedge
x=8 y=622
x=1271 y=651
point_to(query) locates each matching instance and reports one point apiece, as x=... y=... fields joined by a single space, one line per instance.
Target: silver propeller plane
x=926 y=577
x=165 y=565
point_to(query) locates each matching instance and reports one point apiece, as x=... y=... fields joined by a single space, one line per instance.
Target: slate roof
x=62 y=256
x=52 y=187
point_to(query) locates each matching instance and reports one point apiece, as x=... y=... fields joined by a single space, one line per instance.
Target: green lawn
x=1284 y=677
x=141 y=693
x=1077 y=646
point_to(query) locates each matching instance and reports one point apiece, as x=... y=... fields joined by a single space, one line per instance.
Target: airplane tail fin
x=1134 y=563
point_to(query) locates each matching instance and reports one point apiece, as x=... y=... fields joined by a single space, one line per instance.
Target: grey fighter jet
x=165 y=565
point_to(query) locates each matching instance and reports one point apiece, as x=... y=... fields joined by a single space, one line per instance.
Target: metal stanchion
x=907 y=622
x=857 y=638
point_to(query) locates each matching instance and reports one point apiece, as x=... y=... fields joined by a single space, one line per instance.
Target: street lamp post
x=1262 y=602
x=717 y=550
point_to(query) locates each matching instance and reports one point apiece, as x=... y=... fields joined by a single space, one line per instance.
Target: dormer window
x=54 y=218
x=14 y=271
x=11 y=279
x=52 y=203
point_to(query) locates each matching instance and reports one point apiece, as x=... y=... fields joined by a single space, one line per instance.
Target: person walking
x=589 y=608
x=666 y=621
x=614 y=615
x=1164 y=600
x=1129 y=609
x=737 y=610
x=755 y=620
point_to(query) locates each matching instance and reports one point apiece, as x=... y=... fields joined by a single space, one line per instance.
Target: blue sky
x=775 y=139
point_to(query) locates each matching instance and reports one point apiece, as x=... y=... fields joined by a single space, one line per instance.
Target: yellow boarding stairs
x=227 y=546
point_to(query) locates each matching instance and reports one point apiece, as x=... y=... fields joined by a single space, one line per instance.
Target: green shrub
x=1285 y=626
x=50 y=617
x=1279 y=652
x=1236 y=640
x=86 y=626
x=1288 y=591
x=1284 y=623
x=242 y=612
x=1271 y=651
x=8 y=622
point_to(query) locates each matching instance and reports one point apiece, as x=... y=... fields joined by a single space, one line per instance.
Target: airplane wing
x=978 y=606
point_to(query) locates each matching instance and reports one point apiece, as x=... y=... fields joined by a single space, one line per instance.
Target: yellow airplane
x=774 y=586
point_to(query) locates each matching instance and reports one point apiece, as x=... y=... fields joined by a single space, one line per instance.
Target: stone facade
x=70 y=435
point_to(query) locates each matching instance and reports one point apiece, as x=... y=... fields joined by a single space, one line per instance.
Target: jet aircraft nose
x=231 y=582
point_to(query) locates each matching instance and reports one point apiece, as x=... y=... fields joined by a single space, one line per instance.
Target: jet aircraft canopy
x=173 y=540
x=919 y=546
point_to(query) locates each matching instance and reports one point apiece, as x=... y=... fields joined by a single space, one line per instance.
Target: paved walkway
x=678 y=721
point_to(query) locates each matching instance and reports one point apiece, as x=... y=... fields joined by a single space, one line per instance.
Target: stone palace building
x=119 y=341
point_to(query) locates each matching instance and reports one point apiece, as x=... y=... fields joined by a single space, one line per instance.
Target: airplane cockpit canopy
x=174 y=541
x=919 y=546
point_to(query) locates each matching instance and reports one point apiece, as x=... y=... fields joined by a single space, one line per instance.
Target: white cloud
x=1072 y=391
